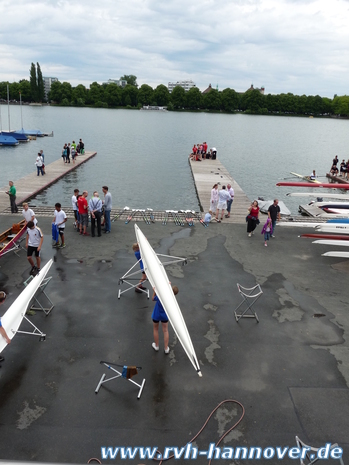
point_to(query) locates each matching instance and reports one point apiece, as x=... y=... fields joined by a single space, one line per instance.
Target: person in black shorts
x=33 y=244
x=274 y=214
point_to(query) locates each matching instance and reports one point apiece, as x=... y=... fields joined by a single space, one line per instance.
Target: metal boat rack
x=126 y=374
x=249 y=298
x=36 y=304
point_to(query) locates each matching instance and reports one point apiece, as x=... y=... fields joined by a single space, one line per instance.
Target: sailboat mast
x=20 y=103
x=8 y=107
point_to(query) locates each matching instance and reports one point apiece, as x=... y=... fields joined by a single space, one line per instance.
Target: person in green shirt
x=12 y=194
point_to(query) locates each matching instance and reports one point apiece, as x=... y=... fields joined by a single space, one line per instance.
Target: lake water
x=143 y=155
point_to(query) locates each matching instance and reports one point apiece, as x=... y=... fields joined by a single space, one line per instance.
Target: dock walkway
x=30 y=185
x=209 y=172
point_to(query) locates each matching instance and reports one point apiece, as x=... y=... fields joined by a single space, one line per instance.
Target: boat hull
x=336 y=254
x=325 y=185
x=339 y=237
x=11 y=243
x=15 y=314
x=332 y=242
x=158 y=279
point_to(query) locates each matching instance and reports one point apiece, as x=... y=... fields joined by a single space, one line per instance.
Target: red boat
x=335 y=237
x=10 y=237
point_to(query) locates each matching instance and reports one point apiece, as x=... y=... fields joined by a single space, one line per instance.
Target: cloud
x=297 y=46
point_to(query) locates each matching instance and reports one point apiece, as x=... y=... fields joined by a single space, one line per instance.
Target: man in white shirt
x=28 y=214
x=223 y=197
x=74 y=202
x=33 y=244
x=59 y=220
x=229 y=201
x=39 y=162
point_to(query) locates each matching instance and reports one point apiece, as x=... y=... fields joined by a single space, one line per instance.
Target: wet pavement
x=290 y=371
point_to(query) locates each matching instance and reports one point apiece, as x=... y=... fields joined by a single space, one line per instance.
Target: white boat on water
x=158 y=279
x=265 y=204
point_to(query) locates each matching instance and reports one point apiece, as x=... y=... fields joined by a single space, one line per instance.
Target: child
x=208 y=216
x=135 y=248
x=33 y=244
x=158 y=315
x=59 y=220
x=267 y=230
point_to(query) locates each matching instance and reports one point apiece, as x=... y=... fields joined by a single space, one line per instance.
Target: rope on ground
x=227 y=401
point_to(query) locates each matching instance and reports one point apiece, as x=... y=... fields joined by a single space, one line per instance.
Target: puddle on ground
x=28 y=415
x=74 y=260
x=167 y=242
x=213 y=336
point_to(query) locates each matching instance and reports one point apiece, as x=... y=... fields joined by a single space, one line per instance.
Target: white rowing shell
x=158 y=278
x=15 y=314
x=332 y=242
x=340 y=228
x=336 y=254
x=318 y=194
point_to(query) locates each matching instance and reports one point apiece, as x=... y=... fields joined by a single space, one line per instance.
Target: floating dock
x=31 y=185
x=209 y=172
x=338 y=179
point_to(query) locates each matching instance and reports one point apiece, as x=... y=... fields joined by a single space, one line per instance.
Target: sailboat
x=18 y=136
x=5 y=139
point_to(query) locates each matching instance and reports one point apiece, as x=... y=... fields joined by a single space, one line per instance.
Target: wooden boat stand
x=118 y=375
x=248 y=298
x=36 y=304
x=128 y=275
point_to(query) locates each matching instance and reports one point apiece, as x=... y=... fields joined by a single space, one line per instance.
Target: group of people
x=343 y=168
x=71 y=149
x=96 y=207
x=268 y=229
x=199 y=152
x=221 y=201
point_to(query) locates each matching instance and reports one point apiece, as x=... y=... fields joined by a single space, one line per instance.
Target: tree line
x=228 y=100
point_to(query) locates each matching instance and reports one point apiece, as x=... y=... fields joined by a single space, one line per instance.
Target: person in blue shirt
x=158 y=315
x=135 y=248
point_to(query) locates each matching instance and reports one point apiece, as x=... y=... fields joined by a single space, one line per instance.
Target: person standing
x=59 y=219
x=64 y=153
x=214 y=198
x=28 y=214
x=74 y=203
x=33 y=244
x=39 y=162
x=68 y=153
x=274 y=215
x=82 y=147
x=252 y=217
x=43 y=161
x=107 y=209
x=223 y=197
x=158 y=315
x=12 y=194
x=95 y=206
x=83 y=213
x=229 y=201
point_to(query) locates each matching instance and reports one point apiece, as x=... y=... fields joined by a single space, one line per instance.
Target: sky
x=297 y=46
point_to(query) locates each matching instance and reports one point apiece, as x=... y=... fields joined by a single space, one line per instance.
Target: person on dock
x=252 y=217
x=193 y=153
x=59 y=219
x=83 y=213
x=95 y=207
x=229 y=201
x=82 y=147
x=334 y=170
x=43 y=161
x=343 y=168
x=214 y=198
x=33 y=244
x=274 y=214
x=107 y=209
x=267 y=230
x=204 y=150
x=213 y=153
x=39 y=164
x=159 y=315
x=135 y=248
x=12 y=194
x=73 y=144
x=73 y=154
x=74 y=202
x=67 y=160
x=28 y=214
x=64 y=153
x=223 y=197
x=208 y=217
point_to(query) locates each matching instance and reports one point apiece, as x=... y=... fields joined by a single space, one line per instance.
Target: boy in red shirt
x=83 y=213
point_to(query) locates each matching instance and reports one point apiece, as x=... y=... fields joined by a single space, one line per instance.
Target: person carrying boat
x=33 y=244
x=135 y=248
x=252 y=217
x=2 y=329
x=274 y=214
x=158 y=315
x=12 y=194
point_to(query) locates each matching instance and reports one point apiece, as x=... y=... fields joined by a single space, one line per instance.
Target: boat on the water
x=10 y=237
x=8 y=140
x=17 y=135
x=31 y=132
x=15 y=314
x=265 y=204
x=306 y=178
x=158 y=279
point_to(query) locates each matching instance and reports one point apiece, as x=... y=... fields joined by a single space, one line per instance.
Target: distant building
x=118 y=82
x=206 y=91
x=48 y=83
x=261 y=90
x=185 y=84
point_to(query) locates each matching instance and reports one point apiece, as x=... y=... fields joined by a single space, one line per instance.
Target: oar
x=152 y=219
x=119 y=214
x=188 y=219
x=178 y=216
x=164 y=221
x=144 y=216
x=200 y=219
x=175 y=220
x=129 y=218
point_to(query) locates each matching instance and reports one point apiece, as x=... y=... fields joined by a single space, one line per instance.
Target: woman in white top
x=214 y=198
x=28 y=214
